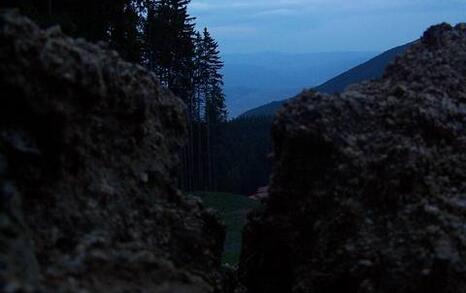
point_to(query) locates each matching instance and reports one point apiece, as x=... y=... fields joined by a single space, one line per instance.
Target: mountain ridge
x=371 y=69
x=255 y=79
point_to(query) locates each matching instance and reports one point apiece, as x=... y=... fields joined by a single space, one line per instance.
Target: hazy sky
x=299 y=26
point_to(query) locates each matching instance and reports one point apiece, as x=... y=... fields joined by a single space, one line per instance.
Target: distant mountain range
x=255 y=79
x=372 y=69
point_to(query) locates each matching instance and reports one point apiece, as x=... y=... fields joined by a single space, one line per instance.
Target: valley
x=137 y=156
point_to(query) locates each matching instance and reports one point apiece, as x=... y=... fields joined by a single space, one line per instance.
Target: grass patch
x=233 y=209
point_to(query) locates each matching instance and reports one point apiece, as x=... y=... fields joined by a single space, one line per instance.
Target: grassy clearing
x=233 y=209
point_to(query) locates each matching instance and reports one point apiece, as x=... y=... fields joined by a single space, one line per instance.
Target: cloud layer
x=321 y=25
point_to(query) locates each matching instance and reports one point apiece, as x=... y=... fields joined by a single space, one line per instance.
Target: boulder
x=89 y=150
x=368 y=192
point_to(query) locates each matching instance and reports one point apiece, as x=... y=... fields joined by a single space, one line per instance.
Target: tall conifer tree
x=214 y=98
x=169 y=38
x=215 y=109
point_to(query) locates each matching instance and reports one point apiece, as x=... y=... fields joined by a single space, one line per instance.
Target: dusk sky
x=303 y=26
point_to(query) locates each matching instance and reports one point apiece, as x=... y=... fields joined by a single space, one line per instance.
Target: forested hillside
x=242 y=155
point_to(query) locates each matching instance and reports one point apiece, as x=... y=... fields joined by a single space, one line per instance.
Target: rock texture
x=368 y=192
x=88 y=148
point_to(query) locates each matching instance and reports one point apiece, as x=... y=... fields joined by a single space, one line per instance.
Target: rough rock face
x=88 y=159
x=368 y=192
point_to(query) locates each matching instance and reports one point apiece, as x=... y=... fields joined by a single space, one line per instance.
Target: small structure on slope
x=261 y=193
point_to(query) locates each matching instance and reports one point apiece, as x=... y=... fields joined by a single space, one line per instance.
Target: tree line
x=162 y=36
x=242 y=151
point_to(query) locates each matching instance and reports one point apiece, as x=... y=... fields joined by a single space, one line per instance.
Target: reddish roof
x=261 y=193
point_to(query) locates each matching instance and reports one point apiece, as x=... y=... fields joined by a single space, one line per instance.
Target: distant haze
x=255 y=79
x=273 y=48
x=303 y=26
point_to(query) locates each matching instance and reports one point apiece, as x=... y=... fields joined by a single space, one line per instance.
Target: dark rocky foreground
x=88 y=148
x=368 y=192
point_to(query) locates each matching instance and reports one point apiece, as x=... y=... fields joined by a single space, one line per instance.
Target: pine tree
x=198 y=102
x=215 y=109
x=115 y=21
x=200 y=77
x=169 y=38
x=214 y=99
x=124 y=30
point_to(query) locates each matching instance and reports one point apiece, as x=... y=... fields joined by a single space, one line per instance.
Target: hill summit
x=368 y=192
